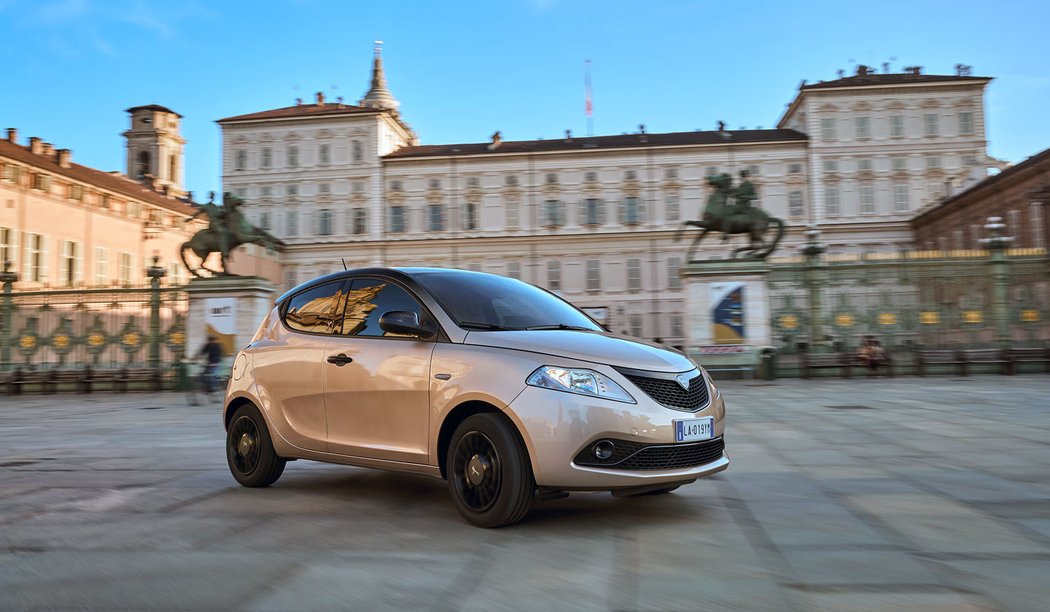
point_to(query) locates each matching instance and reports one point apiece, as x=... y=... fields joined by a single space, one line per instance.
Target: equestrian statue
x=740 y=217
x=227 y=229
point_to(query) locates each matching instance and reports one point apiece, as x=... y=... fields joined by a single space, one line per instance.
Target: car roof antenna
x=344 y=263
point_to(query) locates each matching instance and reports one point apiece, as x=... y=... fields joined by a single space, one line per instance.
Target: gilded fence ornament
x=728 y=210
x=227 y=229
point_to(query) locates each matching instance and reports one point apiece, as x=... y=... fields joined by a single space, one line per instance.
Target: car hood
x=609 y=349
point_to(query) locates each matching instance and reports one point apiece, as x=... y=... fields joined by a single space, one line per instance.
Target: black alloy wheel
x=489 y=474
x=249 y=450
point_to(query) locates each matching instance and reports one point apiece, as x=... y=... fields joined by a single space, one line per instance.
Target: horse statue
x=227 y=229
x=737 y=218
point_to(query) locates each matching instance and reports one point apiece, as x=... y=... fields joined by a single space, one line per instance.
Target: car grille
x=667 y=392
x=637 y=456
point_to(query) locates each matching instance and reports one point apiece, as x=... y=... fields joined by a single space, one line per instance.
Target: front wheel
x=489 y=474
x=249 y=450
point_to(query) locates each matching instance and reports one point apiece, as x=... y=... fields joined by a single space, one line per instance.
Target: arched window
x=144 y=167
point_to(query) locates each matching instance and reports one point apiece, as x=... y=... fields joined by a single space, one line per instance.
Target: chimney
x=64 y=157
x=320 y=98
x=35 y=145
x=298 y=101
x=568 y=135
x=48 y=149
x=12 y=135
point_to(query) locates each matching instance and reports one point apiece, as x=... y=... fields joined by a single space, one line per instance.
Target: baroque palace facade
x=595 y=218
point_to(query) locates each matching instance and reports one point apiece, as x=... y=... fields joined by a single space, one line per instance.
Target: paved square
x=869 y=494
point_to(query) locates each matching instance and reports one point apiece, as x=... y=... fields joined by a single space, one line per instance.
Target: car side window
x=315 y=310
x=371 y=298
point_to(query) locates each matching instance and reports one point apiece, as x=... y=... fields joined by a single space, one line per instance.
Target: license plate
x=692 y=430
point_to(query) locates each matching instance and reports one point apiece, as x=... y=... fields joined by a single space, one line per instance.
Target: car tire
x=249 y=449
x=488 y=471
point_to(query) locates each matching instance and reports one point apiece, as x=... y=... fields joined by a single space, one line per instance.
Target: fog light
x=603 y=449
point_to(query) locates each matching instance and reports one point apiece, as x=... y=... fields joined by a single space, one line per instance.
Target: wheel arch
x=459 y=414
x=232 y=407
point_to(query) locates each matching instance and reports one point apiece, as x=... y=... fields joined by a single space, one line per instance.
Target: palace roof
x=304 y=110
x=598 y=143
x=90 y=176
x=882 y=80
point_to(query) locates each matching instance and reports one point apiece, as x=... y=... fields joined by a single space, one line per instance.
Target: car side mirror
x=405 y=323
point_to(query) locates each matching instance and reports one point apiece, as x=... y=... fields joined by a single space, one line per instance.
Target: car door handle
x=340 y=360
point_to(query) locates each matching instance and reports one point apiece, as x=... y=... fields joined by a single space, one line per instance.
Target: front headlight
x=579 y=381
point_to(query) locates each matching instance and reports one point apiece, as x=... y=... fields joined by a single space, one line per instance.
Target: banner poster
x=727 y=312
x=220 y=320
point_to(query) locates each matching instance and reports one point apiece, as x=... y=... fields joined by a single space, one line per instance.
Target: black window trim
x=441 y=336
x=343 y=282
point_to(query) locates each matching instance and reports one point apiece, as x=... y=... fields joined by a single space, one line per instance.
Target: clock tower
x=155 y=148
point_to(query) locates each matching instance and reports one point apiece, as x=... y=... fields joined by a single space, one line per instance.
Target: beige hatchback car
x=503 y=389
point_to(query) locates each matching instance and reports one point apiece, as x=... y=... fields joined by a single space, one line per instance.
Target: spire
x=378 y=95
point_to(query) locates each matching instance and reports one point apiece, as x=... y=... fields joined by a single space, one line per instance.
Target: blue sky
x=465 y=69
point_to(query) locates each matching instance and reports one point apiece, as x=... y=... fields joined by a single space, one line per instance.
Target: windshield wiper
x=560 y=326
x=484 y=326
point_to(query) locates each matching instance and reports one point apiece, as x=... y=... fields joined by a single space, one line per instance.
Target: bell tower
x=155 y=148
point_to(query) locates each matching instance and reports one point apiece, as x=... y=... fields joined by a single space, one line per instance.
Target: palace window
x=265 y=191
x=435 y=217
x=673 y=280
x=41 y=182
x=930 y=124
x=677 y=326
x=292 y=190
x=101 y=265
x=899 y=163
x=711 y=171
x=554 y=275
x=966 y=123
x=512 y=214
x=264 y=220
x=635 y=322
x=125 y=268
x=34 y=268
x=76 y=192
x=240 y=157
x=324 y=188
x=11 y=173
x=896 y=126
x=634 y=274
x=552 y=179
x=900 y=198
x=753 y=170
x=473 y=182
x=591 y=177
x=514 y=269
x=267 y=157
x=357 y=151
x=630 y=175
x=324 y=153
x=933 y=161
x=324 y=222
x=395 y=185
x=434 y=184
x=359 y=221
x=552 y=213
x=8 y=246
x=594 y=275
x=70 y=270
x=863 y=127
x=631 y=211
x=867 y=199
x=291 y=223
x=293 y=156
x=671 y=174
x=830 y=165
x=510 y=181
x=864 y=164
x=470 y=214
x=827 y=129
x=794 y=168
x=671 y=210
x=397 y=219
x=795 y=204
x=831 y=201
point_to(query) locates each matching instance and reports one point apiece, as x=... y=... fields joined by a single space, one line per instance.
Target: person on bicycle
x=212 y=351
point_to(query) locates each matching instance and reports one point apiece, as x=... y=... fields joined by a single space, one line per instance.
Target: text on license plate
x=691 y=430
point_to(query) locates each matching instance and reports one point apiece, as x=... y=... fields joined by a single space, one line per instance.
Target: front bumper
x=557 y=426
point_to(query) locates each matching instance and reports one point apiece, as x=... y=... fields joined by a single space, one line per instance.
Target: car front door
x=376 y=384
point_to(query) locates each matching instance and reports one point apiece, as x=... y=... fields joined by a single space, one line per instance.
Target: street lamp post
x=8 y=278
x=812 y=250
x=155 y=273
x=997 y=244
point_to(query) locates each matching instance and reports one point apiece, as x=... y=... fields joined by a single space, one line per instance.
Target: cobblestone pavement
x=869 y=494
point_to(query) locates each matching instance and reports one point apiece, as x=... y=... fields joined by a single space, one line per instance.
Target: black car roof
x=403 y=274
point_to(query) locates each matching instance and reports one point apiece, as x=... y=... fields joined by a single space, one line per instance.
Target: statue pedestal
x=727 y=306
x=230 y=308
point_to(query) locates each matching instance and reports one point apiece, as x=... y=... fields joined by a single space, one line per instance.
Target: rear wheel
x=489 y=474
x=249 y=450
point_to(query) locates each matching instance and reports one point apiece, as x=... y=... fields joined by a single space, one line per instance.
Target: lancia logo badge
x=683 y=380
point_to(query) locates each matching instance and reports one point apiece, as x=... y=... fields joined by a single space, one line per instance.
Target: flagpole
x=588 y=105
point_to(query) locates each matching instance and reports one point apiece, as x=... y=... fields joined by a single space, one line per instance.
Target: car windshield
x=495 y=303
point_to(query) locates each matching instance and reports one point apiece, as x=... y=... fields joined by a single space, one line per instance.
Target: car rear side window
x=314 y=310
x=371 y=298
